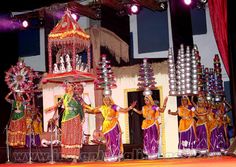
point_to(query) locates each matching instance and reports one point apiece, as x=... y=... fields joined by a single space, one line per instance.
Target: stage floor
x=222 y=161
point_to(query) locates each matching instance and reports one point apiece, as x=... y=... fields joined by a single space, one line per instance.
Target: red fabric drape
x=218 y=14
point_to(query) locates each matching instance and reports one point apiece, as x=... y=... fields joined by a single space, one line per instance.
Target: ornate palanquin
x=67 y=38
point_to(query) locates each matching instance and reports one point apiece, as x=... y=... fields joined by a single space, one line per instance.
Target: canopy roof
x=68 y=31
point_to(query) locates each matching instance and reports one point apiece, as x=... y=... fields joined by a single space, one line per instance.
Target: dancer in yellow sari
x=151 y=126
x=187 y=128
x=201 y=126
x=111 y=127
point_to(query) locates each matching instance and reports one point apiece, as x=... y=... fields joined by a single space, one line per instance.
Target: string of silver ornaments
x=105 y=77
x=146 y=80
x=183 y=73
x=187 y=76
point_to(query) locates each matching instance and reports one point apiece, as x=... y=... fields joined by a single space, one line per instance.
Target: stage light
x=134 y=8
x=74 y=16
x=187 y=2
x=203 y=1
x=25 y=23
x=163 y=6
x=201 y=4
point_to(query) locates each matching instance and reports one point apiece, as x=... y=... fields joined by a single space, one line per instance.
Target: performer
x=151 y=126
x=187 y=128
x=214 y=148
x=71 y=124
x=221 y=108
x=111 y=127
x=226 y=122
x=17 y=126
x=201 y=126
x=34 y=127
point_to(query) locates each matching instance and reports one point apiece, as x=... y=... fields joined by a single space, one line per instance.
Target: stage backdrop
x=127 y=79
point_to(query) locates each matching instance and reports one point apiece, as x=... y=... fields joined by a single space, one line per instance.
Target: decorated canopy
x=66 y=40
x=68 y=31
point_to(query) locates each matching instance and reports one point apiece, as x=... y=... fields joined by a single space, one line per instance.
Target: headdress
x=185 y=97
x=149 y=97
x=105 y=78
x=146 y=78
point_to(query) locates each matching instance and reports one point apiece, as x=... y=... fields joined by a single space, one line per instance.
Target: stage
x=222 y=161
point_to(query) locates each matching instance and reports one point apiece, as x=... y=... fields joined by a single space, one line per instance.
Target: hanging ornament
x=146 y=80
x=178 y=74
x=211 y=84
x=199 y=71
x=194 y=73
x=19 y=78
x=219 y=90
x=188 y=79
x=207 y=84
x=172 y=73
x=105 y=78
x=183 y=78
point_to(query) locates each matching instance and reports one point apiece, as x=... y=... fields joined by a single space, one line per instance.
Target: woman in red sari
x=17 y=127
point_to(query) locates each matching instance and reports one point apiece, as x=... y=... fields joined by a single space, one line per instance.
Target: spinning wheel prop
x=19 y=78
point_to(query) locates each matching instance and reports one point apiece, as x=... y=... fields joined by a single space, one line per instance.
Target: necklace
x=18 y=105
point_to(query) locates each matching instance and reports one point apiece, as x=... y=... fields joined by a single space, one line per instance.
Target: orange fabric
x=186 y=118
x=202 y=119
x=110 y=118
x=212 y=122
x=150 y=117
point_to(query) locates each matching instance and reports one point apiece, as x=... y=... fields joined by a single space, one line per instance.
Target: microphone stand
x=7 y=136
x=8 y=151
x=51 y=146
x=30 y=143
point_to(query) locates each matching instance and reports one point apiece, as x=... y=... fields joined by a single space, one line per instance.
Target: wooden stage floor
x=221 y=161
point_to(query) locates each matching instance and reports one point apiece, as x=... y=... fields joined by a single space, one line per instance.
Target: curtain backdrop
x=218 y=14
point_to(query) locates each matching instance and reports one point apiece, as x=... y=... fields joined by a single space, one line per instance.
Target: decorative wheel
x=19 y=78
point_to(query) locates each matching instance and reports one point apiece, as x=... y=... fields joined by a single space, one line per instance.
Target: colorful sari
x=17 y=127
x=71 y=136
x=222 y=130
x=214 y=148
x=202 y=131
x=151 y=132
x=187 y=131
x=112 y=133
x=34 y=129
